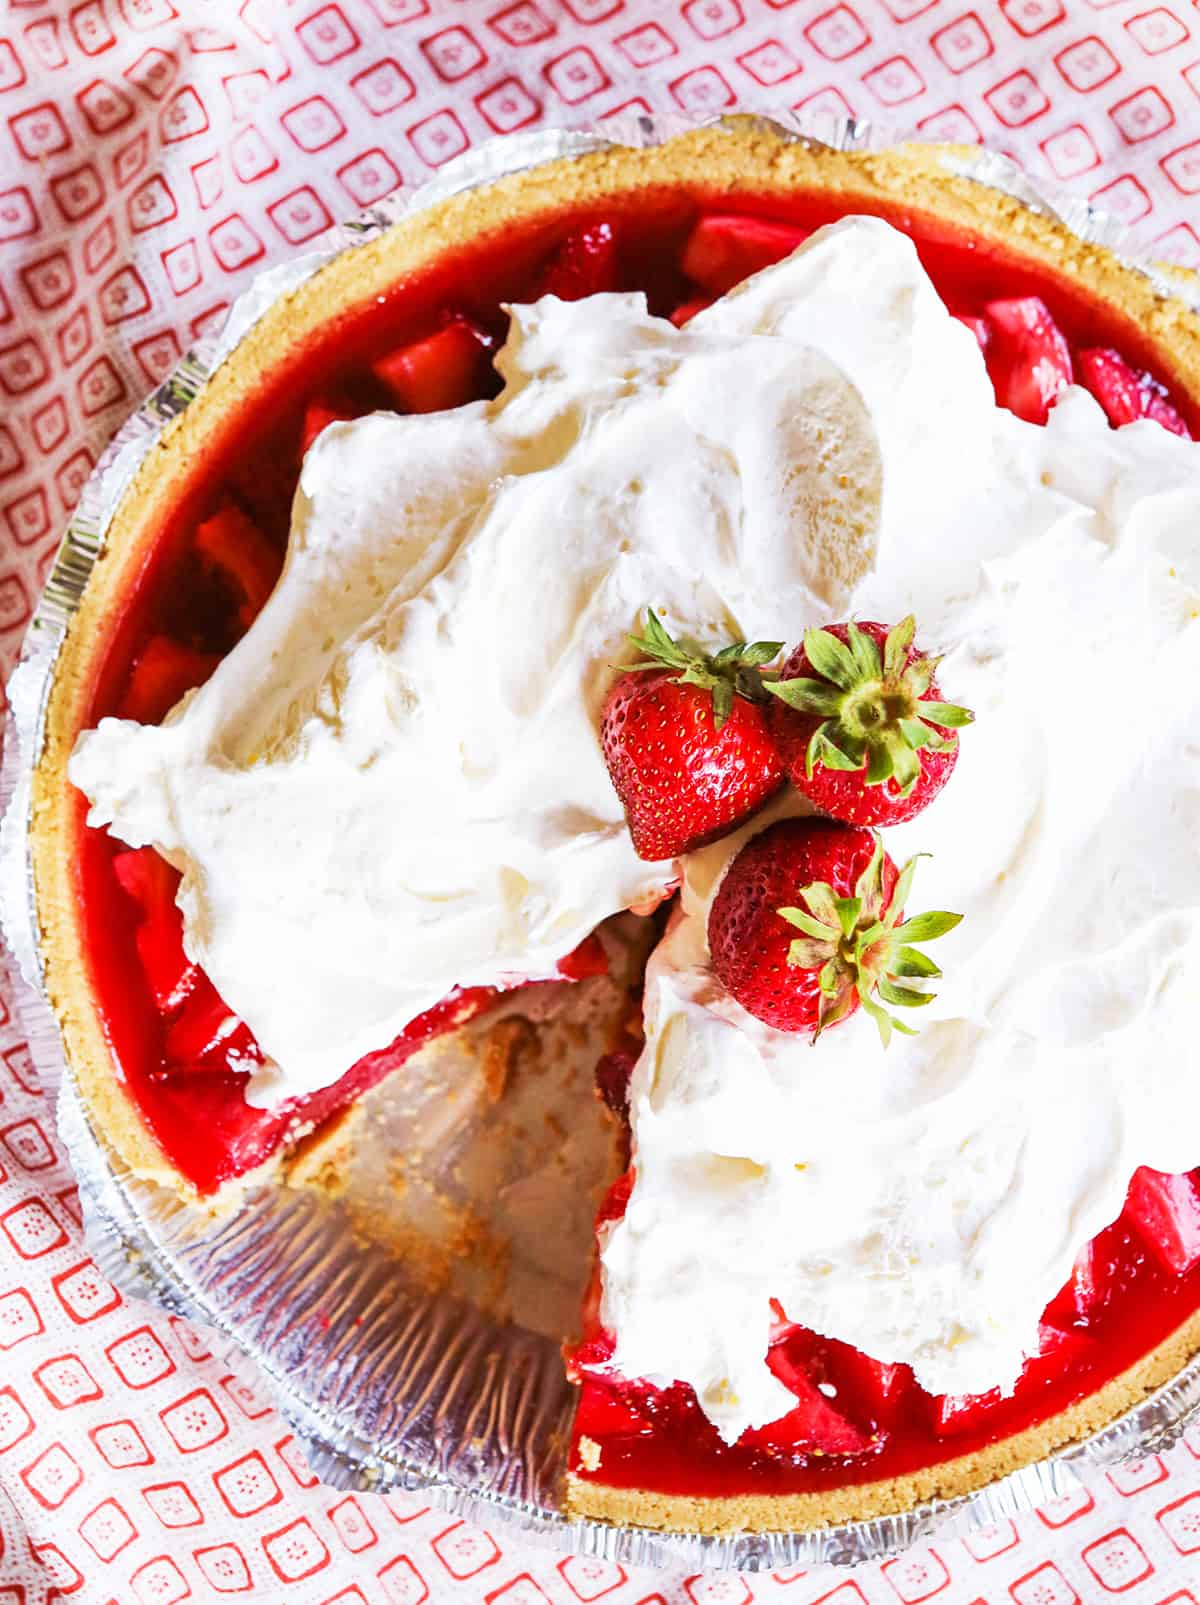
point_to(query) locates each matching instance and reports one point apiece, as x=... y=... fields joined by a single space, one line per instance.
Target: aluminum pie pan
x=480 y=1425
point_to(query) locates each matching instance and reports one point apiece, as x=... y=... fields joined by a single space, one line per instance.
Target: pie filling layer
x=188 y=1062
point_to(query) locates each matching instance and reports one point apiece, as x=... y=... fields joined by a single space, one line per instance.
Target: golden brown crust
x=708 y=163
x=600 y=1501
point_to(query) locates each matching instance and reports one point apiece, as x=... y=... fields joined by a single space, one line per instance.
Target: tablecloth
x=154 y=155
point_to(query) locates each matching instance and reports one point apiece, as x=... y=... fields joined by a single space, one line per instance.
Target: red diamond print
x=153 y=72
x=714 y=1588
x=703 y=89
x=917 y=1576
x=130 y=159
x=99 y=246
x=157 y=354
x=49 y=281
x=962 y=44
x=146 y=15
x=383 y=87
x=15 y=612
x=194 y=1421
x=159 y=1582
x=104 y=106
x=72 y=476
x=53 y=1477
x=1018 y=100
x=15 y=1421
x=28 y=516
x=1180 y=245
x=576 y=75
x=246 y=1486
x=1071 y=152
x=100 y=386
x=12 y=73
x=1157 y=30
x=1045 y=1586
x=74 y=336
x=66 y=1382
x=300 y=216
x=313 y=124
x=713 y=19
x=827 y=104
x=438 y=138
x=394 y=13
x=351 y=1526
x=1181 y=1523
x=1136 y=1475
x=252 y=1404
x=645 y=45
x=11 y=460
x=769 y=63
x=43 y=38
x=837 y=34
x=151 y=204
x=84 y=1294
x=521 y=24
x=252 y=157
x=588 y=11
x=140 y=1359
x=107 y=1530
x=121 y=1444
x=234 y=243
x=77 y=193
x=182 y=266
x=184 y=116
x=1033 y=16
x=123 y=296
x=224 y=1568
x=1087 y=64
x=91 y=30
x=1117 y=1561
x=327 y=36
x=589 y=1578
x=172 y=1505
x=292 y=1455
x=1124 y=197
x=465 y=1551
x=508 y=106
x=17 y=214
x=453 y=53
x=295 y=1551
x=1142 y=115
x=404 y=1585
x=895 y=81
x=39 y=132
x=208 y=182
x=244 y=91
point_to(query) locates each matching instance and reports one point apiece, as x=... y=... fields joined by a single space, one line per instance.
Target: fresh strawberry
x=723 y=249
x=1164 y=1210
x=686 y=742
x=441 y=371
x=813 y=1422
x=852 y=945
x=957 y=1413
x=584 y=264
x=688 y=310
x=235 y=546
x=1028 y=357
x=868 y=1389
x=162 y=672
x=1126 y=393
x=152 y=883
x=861 y=731
x=320 y=412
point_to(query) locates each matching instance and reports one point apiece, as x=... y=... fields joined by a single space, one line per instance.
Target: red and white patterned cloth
x=153 y=157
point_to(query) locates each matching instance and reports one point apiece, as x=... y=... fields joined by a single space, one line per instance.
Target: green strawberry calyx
x=733 y=671
x=872 y=706
x=864 y=951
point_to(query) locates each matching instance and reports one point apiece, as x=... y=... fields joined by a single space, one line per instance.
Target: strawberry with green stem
x=835 y=886
x=685 y=738
x=860 y=725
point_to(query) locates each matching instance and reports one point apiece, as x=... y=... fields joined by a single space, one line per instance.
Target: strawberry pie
x=796 y=548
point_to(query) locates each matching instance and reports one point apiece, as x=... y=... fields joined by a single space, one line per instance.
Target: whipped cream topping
x=393 y=784
x=926 y=1202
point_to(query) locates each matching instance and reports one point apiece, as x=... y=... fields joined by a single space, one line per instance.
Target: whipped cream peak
x=394 y=784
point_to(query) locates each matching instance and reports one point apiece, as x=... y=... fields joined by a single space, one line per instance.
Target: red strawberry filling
x=184 y=1059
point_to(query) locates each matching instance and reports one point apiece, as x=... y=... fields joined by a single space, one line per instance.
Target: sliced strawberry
x=1155 y=405
x=441 y=371
x=152 y=884
x=879 y=1389
x=956 y=1413
x=588 y=959
x=725 y=248
x=235 y=546
x=204 y=1025
x=813 y=1422
x=1165 y=1212
x=319 y=414
x=979 y=327
x=1028 y=357
x=586 y=263
x=162 y=672
x=610 y=1411
x=685 y=313
x=1113 y=383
